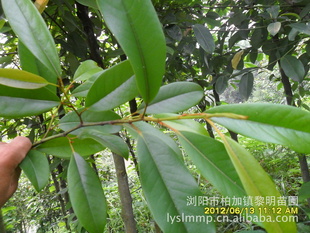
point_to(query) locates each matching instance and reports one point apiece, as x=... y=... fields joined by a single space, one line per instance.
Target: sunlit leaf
x=86 y=195
x=36 y=167
x=21 y=79
x=139 y=33
x=258 y=183
x=175 y=97
x=273 y=123
x=31 y=29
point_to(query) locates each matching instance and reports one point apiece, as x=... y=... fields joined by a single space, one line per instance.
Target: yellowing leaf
x=40 y=5
x=236 y=59
x=257 y=183
x=21 y=79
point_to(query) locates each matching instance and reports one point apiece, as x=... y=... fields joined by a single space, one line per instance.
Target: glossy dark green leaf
x=72 y=120
x=62 y=146
x=86 y=195
x=258 y=183
x=175 y=97
x=31 y=64
x=273 y=123
x=221 y=84
x=28 y=24
x=246 y=85
x=112 y=88
x=139 y=32
x=36 y=167
x=293 y=68
x=15 y=102
x=209 y=156
x=166 y=182
x=204 y=38
x=115 y=143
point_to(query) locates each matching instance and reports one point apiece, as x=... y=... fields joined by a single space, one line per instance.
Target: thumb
x=20 y=146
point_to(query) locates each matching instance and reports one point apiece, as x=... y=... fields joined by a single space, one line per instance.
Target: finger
x=21 y=144
x=20 y=147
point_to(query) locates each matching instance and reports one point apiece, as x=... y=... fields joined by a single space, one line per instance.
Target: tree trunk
x=125 y=196
x=82 y=13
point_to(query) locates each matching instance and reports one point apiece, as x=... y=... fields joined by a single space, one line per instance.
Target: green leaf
x=112 y=88
x=72 y=120
x=221 y=84
x=303 y=192
x=175 y=32
x=273 y=11
x=113 y=142
x=86 y=195
x=15 y=102
x=62 y=147
x=36 y=167
x=293 y=68
x=89 y=3
x=31 y=29
x=301 y=27
x=31 y=64
x=21 y=79
x=273 y=123
x=274 y=28
x=86 y=70
x=204 y=38
x=83 y=89
x=209 y=156
x=139 y=32
x=258 y=183
x=175 y=97
x=167 y=183
x=246 y=85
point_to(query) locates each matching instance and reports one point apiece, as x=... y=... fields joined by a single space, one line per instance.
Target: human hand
x=11 y=155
